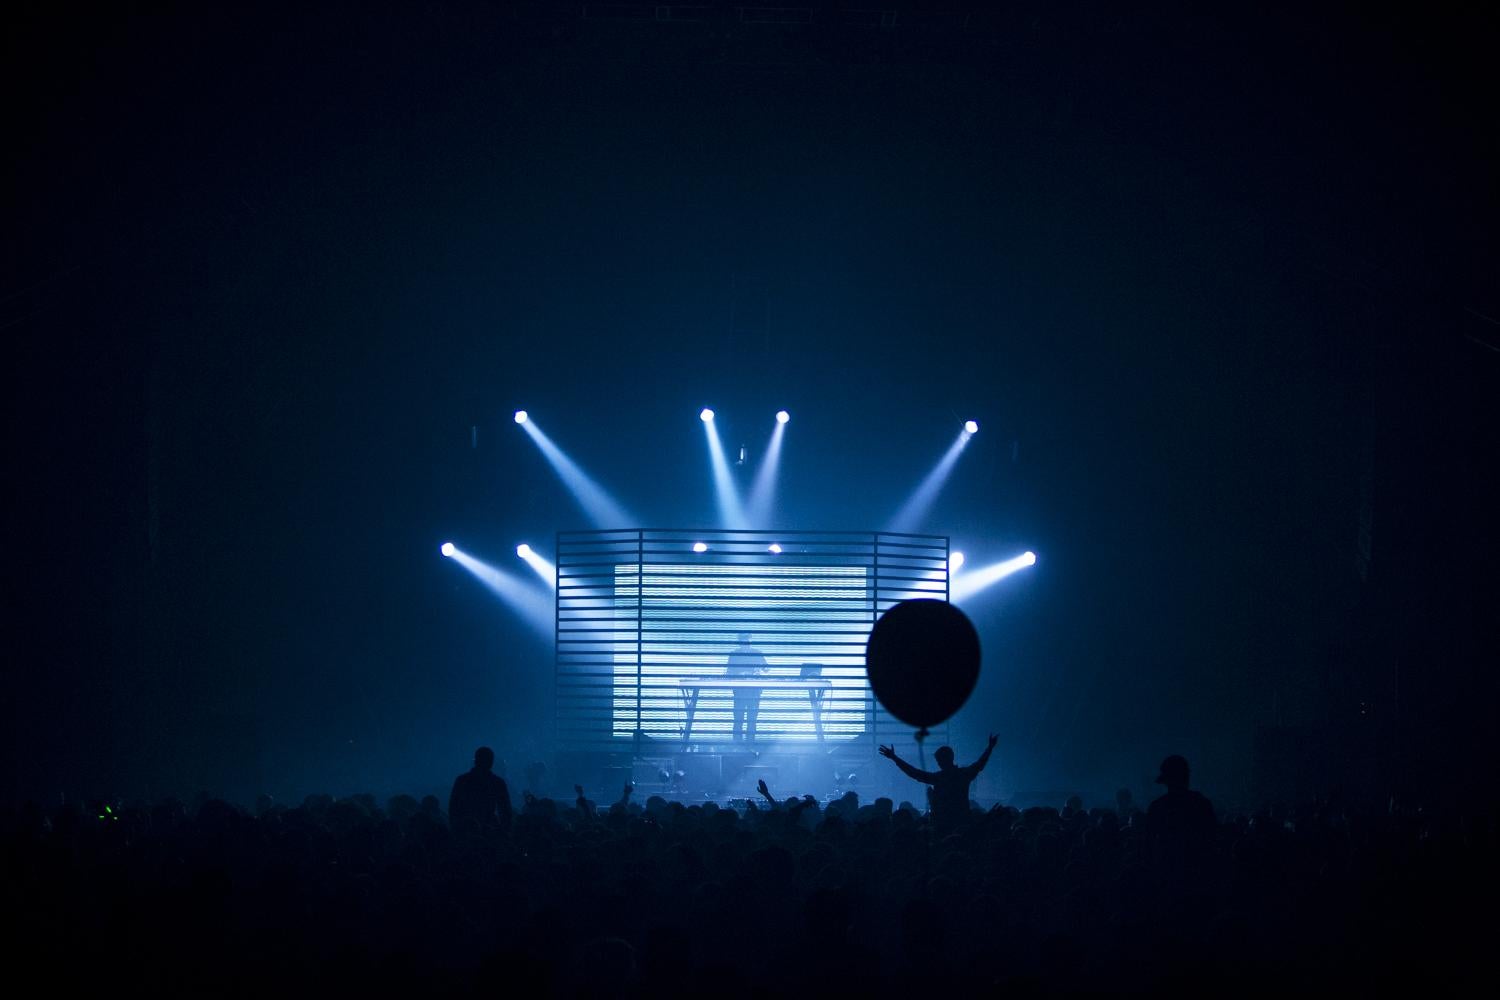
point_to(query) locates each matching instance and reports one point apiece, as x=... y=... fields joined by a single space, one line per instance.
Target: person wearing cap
x=1180 y=824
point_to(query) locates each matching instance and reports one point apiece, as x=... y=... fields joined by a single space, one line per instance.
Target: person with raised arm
x=949 y=795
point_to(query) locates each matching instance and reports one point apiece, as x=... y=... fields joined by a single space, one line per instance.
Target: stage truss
x=643 y=621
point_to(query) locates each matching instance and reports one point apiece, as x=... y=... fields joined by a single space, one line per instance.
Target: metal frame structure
x=640 y=614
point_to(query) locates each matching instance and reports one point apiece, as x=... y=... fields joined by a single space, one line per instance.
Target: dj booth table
x=645 y=627
x=692 y=687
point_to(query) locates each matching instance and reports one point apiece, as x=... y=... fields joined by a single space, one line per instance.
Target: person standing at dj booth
x=745 y=661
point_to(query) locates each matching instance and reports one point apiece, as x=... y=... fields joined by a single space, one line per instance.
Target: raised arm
x=984 y=758
x=911 y=772
x=765 y=791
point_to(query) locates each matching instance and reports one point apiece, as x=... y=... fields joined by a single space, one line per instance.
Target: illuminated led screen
x=809 y=622
x=647 y=620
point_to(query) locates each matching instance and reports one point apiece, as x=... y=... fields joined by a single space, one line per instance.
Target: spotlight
x=975 y=580
x=764 y=488
x=447 y=549
x=700 y=547
x=601 y=508
x=774 y=549
x=972 y=426
x=955 y=561
x=914 y=510
x=534 y=604
x=726 y=493
x=520 y=416
x=544 y=569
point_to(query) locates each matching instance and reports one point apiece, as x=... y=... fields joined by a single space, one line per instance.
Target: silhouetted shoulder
x=1181 y=812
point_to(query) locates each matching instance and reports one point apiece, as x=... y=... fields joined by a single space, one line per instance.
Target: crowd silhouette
x=795 y=895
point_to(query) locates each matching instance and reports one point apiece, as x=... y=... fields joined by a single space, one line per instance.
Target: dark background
x=1218 y=287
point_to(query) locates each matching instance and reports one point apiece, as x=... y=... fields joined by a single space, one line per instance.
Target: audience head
x=1174 y=773
x=484 y=759
x=944 y=757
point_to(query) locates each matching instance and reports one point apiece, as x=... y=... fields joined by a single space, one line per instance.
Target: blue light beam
x=763 y=491
x=912 y=513
x=543 y=567
x=600 y=507
x=731 y=512
x=531 y=604
x=972 y=581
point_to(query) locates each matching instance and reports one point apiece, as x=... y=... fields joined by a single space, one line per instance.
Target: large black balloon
x=923 y=661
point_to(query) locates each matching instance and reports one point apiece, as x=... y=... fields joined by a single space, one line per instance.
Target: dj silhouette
x=745 y=661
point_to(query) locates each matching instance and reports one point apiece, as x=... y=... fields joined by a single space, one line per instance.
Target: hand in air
x=760 y=786
x=888 y=752
x=629 y=787
x=993 y=740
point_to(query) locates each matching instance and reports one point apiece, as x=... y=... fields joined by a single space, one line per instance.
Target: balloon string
x=921 y=751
